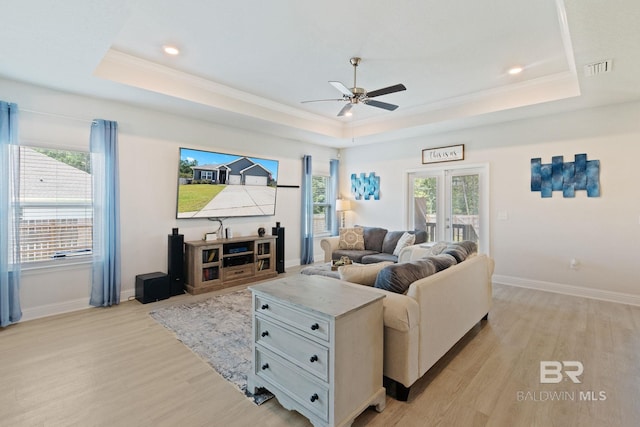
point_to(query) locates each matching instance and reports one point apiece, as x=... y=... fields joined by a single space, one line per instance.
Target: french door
x=450 y=204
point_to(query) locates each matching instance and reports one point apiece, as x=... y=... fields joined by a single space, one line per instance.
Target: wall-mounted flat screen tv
x=219 y=185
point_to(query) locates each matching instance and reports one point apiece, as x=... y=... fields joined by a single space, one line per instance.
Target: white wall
x=148 y=144
x=534 y=246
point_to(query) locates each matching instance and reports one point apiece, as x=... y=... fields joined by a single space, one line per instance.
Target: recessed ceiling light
x=170 y=50
x=515 y=70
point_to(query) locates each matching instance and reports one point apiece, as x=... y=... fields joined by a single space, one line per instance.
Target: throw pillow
x=442 y=261
x=406 y=239
x=398 y=277
x=363 y=274
x=457 y=251
x=421 y=236
x=351 y=238
x=373 y=238
x=470 y=246
x=390 y=241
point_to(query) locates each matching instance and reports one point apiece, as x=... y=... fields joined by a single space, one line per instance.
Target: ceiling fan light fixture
x=515 y=70
x=357 y=95
x=170 y=50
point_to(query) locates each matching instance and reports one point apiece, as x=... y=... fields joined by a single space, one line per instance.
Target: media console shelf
x=223 y=263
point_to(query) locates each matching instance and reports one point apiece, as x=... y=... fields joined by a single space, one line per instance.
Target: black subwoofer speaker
x=279 y=231
x=175 y=263
x=152 y=287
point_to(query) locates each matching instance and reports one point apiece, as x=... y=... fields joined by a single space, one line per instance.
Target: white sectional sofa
x=436 y=311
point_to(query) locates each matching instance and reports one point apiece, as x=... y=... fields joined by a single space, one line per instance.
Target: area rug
x=217 y=329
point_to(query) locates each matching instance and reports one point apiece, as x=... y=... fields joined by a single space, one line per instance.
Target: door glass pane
x=425 y=197
x=465 y=201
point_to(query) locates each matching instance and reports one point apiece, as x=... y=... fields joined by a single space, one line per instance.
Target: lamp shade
x=343 y=205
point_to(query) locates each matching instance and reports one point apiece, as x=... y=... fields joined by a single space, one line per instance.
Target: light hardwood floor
x=118 y=367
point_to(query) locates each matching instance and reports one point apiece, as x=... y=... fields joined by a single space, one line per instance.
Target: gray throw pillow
x=471 y=247
x=421 y=236
x=442 y=261
x=398 y=277
x=391 y=241
x=373 y=237
x=457 y=251
x=461 y=250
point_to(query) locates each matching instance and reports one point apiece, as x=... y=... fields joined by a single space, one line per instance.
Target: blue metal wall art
x=364 y=186
x=581 y=174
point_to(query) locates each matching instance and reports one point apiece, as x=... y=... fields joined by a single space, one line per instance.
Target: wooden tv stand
x=223 y=263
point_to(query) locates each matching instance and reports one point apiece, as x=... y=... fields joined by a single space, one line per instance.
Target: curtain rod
x=60 y=116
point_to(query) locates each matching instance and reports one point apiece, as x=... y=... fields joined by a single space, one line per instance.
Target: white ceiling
x=250 y=63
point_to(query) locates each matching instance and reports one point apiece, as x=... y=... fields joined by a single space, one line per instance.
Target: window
x=450 y=204
x=321 y=204
x=55 y=204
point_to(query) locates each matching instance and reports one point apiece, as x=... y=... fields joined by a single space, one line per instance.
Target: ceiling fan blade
x=322 y=100
x=345 y=110
x=342 y=88
x=386 y=90
x=379 y=104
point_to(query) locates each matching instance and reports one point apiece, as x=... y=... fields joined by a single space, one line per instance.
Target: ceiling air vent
x=599 y=67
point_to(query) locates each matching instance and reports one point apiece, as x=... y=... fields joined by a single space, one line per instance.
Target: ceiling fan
x=358 y=95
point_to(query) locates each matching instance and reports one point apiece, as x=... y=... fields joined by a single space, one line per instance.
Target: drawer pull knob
x=265 y=366
x=315 y=326
x=265 y=306
x=313 y=358
x=314 y=397
x=265 y=333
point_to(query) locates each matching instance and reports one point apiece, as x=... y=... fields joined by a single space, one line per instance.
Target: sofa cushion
x=421 y=236
x=351 y=238
x=373 y=237
x=471 y=247
x=355 y=256
x=391 y=241
x=398 y=277
x=407 y=239
x=461 y=250
x=442 y=261
x=378 y=257
x=392 y=237
x=361 y=274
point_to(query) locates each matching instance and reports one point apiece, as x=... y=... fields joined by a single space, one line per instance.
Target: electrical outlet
x=574 y=264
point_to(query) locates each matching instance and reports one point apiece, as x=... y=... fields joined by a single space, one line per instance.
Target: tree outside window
x=321 y=204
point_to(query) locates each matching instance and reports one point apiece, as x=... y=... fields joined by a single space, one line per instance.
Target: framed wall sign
x=443 y=154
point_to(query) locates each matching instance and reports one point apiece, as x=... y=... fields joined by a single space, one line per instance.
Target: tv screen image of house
x=219 y=185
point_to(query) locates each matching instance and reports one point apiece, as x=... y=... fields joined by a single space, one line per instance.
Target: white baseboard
x=66 y=307
x=288 y=263
x=560 y=288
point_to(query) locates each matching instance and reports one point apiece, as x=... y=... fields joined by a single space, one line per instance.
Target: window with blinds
x=56 y=204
